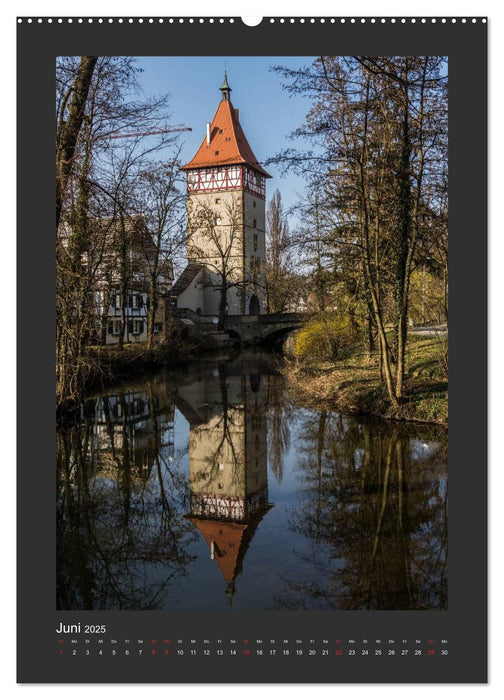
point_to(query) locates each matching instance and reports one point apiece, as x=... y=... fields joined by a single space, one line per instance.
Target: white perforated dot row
x=231 y=20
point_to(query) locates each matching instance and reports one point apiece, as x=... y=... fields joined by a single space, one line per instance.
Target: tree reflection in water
x=376 y=500
x=122 y=538
x=279 y=418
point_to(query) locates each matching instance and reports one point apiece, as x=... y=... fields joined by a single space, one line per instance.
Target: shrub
x=328 y=337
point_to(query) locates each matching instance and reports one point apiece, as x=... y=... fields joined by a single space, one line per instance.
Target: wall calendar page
x=252 y=249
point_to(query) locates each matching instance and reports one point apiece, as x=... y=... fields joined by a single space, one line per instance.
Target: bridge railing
x=234 y=319
x=280 y=318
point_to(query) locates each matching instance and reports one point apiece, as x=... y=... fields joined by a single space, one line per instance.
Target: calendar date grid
x=278 y=647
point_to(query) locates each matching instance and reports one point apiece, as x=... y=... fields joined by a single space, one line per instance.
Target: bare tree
x=380 y=129
x=95 y=101
x=159 y=201
x=278 y=273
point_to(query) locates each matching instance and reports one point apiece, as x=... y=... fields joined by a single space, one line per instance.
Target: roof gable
x=190 y=272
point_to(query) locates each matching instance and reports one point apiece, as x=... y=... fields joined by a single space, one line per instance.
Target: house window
x=217 y=200
x=118 y=301
x=114 y=327
x=138 y=406
x=135 y=299
x=158 y=327
x=218 y=221
x=138 y=327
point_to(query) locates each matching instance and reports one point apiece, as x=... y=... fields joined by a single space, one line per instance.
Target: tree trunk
x=69 y=130
x=151 y=314
x=123 y=279
x=409 y=225
x=222 y=303
x=368 y=275
x=403 y=246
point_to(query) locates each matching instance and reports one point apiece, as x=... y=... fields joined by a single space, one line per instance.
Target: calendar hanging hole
x=251 y=21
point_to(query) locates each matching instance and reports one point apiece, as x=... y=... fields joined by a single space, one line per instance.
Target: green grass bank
x=352 y=384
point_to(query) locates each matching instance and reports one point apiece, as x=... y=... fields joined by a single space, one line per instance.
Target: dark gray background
x=465 y=623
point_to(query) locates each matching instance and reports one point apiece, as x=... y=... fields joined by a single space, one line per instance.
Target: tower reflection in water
x=227 y=463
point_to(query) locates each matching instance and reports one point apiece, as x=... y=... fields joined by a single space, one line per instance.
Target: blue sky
x=267 y=113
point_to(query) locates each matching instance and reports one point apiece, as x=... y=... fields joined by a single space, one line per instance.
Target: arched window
x=254 y=305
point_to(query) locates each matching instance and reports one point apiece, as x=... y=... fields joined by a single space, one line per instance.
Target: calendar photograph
x=251 y=338
x=251 y=395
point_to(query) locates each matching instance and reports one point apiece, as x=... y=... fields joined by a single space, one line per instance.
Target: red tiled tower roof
x=227 y=539
x=228 y=144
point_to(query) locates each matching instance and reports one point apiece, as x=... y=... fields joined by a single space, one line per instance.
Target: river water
x=211 y=489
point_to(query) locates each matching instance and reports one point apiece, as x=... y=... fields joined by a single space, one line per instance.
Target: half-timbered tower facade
x=226 y=191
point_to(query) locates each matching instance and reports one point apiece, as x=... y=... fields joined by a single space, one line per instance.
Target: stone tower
x=226 y=191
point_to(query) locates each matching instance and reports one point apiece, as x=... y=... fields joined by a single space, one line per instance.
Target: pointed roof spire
x=226 y=143
x=225 y=89
x=230 y=591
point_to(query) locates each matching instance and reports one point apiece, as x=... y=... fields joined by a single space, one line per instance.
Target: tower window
x=220 y=131
x=217 y=200
x=255 y=241
x=254 y=203
x=216 y=153
x=218 y=221
x=255 y=223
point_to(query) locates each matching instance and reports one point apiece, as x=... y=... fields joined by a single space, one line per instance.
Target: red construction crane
x=168 y=130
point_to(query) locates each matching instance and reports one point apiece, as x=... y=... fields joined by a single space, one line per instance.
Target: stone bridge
x=263 y=328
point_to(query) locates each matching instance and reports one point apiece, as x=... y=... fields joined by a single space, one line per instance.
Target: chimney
x=208 y=133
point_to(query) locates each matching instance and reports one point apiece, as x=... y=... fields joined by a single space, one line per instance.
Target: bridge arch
x=234 y=335
x=278 y=334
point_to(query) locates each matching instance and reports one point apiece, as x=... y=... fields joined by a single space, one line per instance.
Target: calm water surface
x=211 y=489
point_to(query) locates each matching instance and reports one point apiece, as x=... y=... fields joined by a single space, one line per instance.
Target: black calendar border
x=464 y=624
